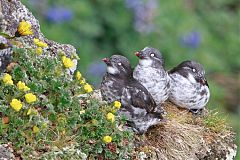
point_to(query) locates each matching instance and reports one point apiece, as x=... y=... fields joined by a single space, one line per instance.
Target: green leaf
x=18 y=74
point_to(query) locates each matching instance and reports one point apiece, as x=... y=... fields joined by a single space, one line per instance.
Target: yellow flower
x=30 y=98
x=82 y=111
x=113 y=110
x=35 y=129
x=110 y=117
x=67 y=62
x=29 y=111
x=44 y=125
x=39 y=50
x=32 y=111
x=39 y=43
x=82 y=81
x=7 y=79
x=9 y=82
x=107 y=139
x=87 y=88
x=26 y=88
x=24 y=28
x=78 y=75
x=22 y=86
x=16 y=104
x=117 y=104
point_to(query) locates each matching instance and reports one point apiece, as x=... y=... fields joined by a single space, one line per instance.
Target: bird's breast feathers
x=145 y=62
x=112 y=70
x=155 y=80
x=141 y=72
x=186 y=92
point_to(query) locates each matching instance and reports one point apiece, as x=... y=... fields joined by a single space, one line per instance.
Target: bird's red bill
x=137 y=54
x=106 y=60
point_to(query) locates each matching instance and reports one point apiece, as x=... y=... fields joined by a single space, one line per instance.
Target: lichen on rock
x=5 y=53
x=11 y=14
x=6 y=152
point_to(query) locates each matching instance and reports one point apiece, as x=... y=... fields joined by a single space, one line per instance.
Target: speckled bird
x=138 y=105
x=151 y=74
x=188 y=86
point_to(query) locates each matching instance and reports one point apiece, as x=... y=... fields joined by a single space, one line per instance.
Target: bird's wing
x=173 y=70
x=138 y=98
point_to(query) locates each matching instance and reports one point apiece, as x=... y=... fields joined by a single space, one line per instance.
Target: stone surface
x=6 y=152
x=11 y=13
x=5 y=53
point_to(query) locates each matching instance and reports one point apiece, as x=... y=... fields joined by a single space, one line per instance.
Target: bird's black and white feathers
x=151 y=74
x=188 y=86
x=118 y=70
x=138 y=105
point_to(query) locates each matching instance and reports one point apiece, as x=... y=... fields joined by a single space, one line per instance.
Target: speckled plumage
x=138 y=105
x=152 y=75
x=188 y=86
x=111 y=88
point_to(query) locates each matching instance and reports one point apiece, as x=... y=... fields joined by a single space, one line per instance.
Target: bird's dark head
x=149 y=56
x=192 y=70
x=118 y=65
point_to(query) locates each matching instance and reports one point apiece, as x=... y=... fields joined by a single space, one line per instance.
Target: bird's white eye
x=194 y=70
x=152 y=55
x=119 y=64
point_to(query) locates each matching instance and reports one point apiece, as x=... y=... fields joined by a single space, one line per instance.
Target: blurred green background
x=206 y=31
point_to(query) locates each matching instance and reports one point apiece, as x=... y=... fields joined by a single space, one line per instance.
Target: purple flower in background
x=144 y=14
x=134 y=4
x=191 y=40
x=59 y=14
x=96 y=69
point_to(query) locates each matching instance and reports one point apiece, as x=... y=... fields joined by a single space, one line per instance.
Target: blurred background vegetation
x=206 y=31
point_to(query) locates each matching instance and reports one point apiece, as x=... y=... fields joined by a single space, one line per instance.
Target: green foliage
x=65 y=120
x=216 y=122
x=102 y=28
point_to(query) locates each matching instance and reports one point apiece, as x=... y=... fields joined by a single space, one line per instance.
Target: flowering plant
x=41 y=103
x=24 y=29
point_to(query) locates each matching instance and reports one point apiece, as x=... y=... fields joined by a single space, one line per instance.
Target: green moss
x=216 y=122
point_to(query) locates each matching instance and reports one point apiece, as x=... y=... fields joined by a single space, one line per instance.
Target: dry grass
x=185 y=136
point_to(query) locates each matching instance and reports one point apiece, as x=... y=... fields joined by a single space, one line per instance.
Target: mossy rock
x=187 y=136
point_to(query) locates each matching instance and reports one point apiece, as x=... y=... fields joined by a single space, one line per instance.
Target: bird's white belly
x=155 y=81
x=188 y=95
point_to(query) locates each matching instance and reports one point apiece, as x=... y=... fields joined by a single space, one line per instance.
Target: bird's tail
x=159 y=109
x=141 y=125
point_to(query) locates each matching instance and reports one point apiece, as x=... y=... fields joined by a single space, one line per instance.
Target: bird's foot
x=163 y=121
x=196 y=112
x=159 y=109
